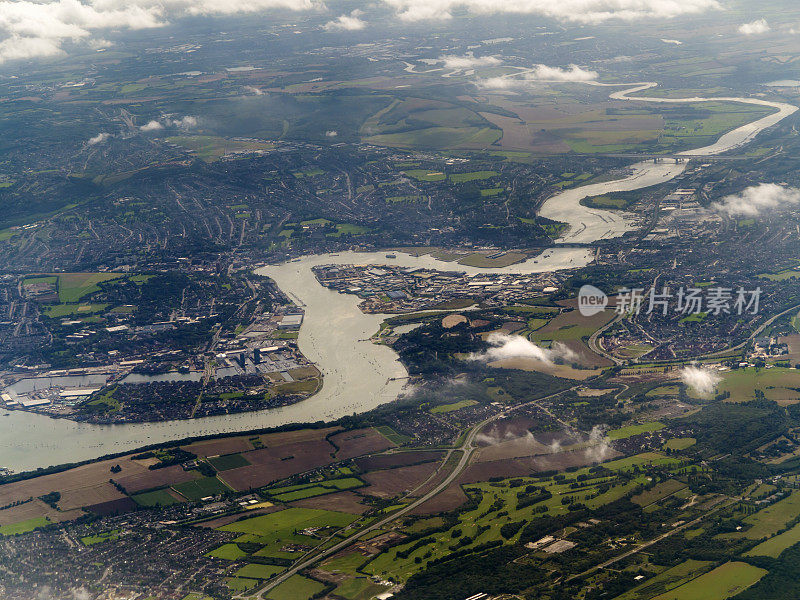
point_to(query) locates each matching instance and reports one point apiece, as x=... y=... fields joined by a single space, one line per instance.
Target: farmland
x=723 y=582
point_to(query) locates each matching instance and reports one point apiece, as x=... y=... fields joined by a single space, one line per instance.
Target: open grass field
x=91 y=540
x=473 y=176
x=296 y=587
x=426 y=175
x=201 y=488
x=668 y=580
x=273 y=531
x=768 y=521
x=723 y=582
x=240 y=584
x=777 y=384
x=658 y=492
x=446 y=408
x=359 y=588
x=680 y=443
x=59 y=311
x=257 y=571
x=209 y=148
x=74 y=286
x=631 y=430
x=571 y=326
x=227 y=552
x=439 y=138
x=24 y=526
x=775 y=545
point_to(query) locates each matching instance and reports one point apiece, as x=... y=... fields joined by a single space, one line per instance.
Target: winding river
x=359 y=375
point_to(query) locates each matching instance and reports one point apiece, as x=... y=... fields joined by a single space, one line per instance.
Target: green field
x=723 y=582
x=391 y=435
x=777 y=384
x=255 y=571
x=360 y=588
x=318 y=489
x=680 y=443
x=296 y=587
x=239 y=584
x=154 y=498
x=228 y=461
x=227 y=552
x=439 y=138
x=769 y=521
x=275 y=530
x=201 y=488
x=446 y=408
x=74 y=286
x=24 y=526
x=91 y=540
x=668 y=580
x=426 y=175
x=631 y=430
x=209 y=148
x=775 y=545
x=59 y=311
x=474 y=176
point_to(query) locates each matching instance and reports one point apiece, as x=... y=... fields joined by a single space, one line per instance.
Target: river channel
x=358 y=375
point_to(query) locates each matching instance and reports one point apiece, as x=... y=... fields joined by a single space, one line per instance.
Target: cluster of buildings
x=391 y=289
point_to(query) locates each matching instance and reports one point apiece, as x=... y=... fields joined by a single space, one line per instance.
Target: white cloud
x=701 y=381
x=351 y=22
x=579 y=11
x=187 y=122
x=757 y=199
x=755 y=28
x=30 y=29
x=469 y=61
x=504 y=346
x=151 y=126
x=541 y=73
x=675 y=42
x=98 y=139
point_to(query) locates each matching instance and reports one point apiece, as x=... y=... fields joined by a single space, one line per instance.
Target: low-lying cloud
x=351 y=22
x=152 y=126
x=542 y=73
x=504 y=346
x=98 y=139
x=758 y=27
x=757 y=200
x=701 y=381
x=187 y=122
x=469 y=61
x=576 y=11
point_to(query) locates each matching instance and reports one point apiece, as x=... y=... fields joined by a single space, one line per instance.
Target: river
x=359 y=375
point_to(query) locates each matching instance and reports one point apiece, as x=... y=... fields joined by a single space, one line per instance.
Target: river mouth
x=358 y=374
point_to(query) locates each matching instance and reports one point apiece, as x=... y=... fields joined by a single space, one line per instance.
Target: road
x=466 y=449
